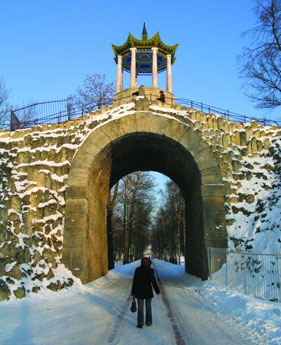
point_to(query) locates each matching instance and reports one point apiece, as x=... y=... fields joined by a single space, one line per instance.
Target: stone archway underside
x=141 y=141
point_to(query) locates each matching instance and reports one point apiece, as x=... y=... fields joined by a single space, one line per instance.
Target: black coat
x=143 y=281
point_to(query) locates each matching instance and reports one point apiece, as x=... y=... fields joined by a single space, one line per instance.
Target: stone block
x=76 y=206
x=76 y=192
x=259 y=145
x=250 y=199
x=84 y=159
x=249 y=132
x=214 y=222
x=125 y=125
x=23 y=255
x=214 y=190
x=254 y=145
x=215 y=123
x=192 y=142
x=257 y=133
x=225 y=140
x=145 y=122
x=142 y=103
x=266 y=143
x=175 y=130
x=236 y=165
x=205 y=159
x=15 y=273
x=41 y=179
x=19 y=292
x=78 y=177
x=243 y=139
x=76 y=223
x=254 y=124
x=16 y=204
x=73 y=260
x=55 y=286
x=4 y=290
x=209 y=179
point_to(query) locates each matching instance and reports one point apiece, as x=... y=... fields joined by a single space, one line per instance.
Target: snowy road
x=198 y=322
x=98 y=314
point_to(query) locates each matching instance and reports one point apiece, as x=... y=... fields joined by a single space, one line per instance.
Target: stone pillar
x=133 y=67
x=169 y=73
x=119 y=86
x=154 y=67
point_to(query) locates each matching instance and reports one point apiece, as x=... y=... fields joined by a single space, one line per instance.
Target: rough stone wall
x=34 y=166
x=249 y=155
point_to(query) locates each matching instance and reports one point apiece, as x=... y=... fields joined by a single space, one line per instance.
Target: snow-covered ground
x=99 y=313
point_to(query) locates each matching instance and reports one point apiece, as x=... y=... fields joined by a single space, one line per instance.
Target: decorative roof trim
x=154 y=41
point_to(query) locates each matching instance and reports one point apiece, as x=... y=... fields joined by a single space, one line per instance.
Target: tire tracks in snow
x=122 y=313
x=176 y=330
x=190 y=333
x=118 y=322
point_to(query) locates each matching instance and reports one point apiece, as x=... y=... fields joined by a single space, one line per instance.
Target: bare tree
x=168 y=232
x=4 y=105
x=260 y=64
x=110 y=206
x=133 y=211
x=94 y=93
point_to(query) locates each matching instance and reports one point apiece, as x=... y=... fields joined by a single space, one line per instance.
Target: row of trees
x=134 y=225
x=168 y=230
x=129 y=230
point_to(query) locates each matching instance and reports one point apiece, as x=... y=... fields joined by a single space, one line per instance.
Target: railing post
x=226 y=268
x=69 y=107
x=210 y=262
x=11 y=119
x=279 y=271
x=14 y=122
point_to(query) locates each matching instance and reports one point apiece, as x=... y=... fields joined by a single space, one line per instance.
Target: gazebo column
x=154 y=67
x=133 y=67
x=119 y=85
x=169 y=74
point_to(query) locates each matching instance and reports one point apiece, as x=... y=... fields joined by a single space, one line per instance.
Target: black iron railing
x=205 y=108
x=64 y=110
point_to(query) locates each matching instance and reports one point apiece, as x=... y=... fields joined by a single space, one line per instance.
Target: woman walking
x=143 y=281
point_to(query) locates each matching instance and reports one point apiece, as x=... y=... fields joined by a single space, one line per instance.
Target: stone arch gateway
x=141 y=141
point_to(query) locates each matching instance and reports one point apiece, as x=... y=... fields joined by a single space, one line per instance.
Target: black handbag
x=134 y=305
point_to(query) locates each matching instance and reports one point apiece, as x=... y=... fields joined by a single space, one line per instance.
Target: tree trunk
x=109 y=240
x=110 y=207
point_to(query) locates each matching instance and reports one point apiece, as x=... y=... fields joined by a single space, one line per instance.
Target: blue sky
x=49 y=46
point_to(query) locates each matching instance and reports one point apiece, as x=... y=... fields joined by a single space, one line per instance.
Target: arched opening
x=141 y=142
x=145 y=216
x=149 y=151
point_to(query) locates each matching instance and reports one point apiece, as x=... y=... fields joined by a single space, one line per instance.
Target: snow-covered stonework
x=34 y=173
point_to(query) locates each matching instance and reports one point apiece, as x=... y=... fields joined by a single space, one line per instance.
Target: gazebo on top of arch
x=144 y=57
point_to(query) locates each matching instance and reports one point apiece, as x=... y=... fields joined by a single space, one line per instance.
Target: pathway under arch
x=141 y=141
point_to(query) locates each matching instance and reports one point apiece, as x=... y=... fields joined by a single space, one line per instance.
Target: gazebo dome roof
x=144 y=52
